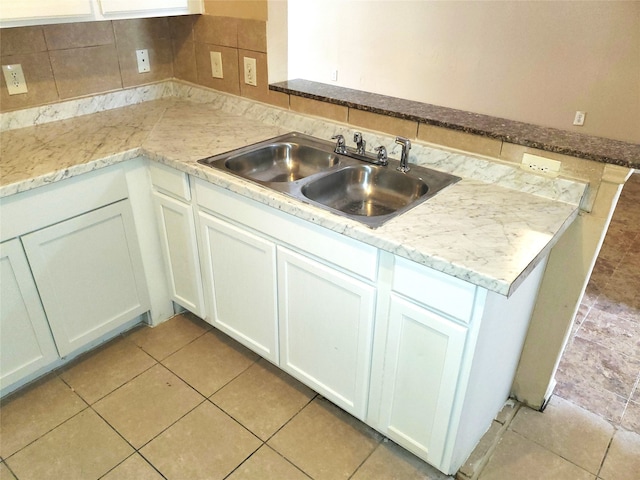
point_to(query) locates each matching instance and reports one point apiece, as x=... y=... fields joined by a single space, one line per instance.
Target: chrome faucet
x=361 y=144
x=404 y=157
x=382 y=155
x=340 y=144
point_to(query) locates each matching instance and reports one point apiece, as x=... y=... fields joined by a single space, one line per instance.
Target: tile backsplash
x=71 y=60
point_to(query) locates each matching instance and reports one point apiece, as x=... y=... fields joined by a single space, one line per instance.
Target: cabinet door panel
x=326 y=320
x=180 y=250
x=26 y=341
x=26 y=9
x=89 y=274
x=123 y=6
x=423 y=357
x=240 y=270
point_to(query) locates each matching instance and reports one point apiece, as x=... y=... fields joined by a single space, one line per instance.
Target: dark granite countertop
x=555 y=140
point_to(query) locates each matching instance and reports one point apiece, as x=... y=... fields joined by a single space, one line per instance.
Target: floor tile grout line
x=606 y=453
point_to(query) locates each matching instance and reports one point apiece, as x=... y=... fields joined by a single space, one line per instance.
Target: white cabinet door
x=89 y=274
x=421 y=368
x=123 y=6
x=28 y=9
x=240 y=283
x=180 y=251
x=326 y=320
x=26 y=344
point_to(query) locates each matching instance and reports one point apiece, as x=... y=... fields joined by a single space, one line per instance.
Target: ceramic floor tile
x=325 y=442
x=476 y=461
x=612 y=331
x=210 y=362
x=263 y=398
x=603 y=403
x=588 y=363
x=516 y=457
x=5 y=473
x=83 y=447
x=134 y=467
x=567 y=430
x=147 y=405
x=101 y=372
x=205 y=444
x=623 y=459
x=631 y=418
x=170 y=336
x=31 y=413
x=267 y=464
x=390 y=462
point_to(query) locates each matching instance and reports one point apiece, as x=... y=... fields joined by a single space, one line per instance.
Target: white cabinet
x=89 y=274
x=240 y=279
x=123 y=6
x=326 y=325
x=26 y=342
x=421 y=369
x=51 y=9
x=180 y=251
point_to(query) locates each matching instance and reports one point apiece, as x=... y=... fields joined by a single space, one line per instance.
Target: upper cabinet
x=38 y=12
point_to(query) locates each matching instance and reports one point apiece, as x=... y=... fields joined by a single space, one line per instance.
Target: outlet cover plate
x=542 y=165
x=216 y=64
x=14 y=76
x=250 y=74
x=143 y=61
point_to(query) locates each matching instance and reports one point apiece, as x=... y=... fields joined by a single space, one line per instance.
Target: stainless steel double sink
x=308 y=169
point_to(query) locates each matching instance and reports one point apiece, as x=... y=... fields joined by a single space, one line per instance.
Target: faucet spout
x=361 y=144
x=404 y=156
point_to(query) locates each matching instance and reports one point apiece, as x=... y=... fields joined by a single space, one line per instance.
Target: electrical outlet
x=579 y=118
x=250 y=74
x=14 y=77
x=334 y=75
x=216 y=64
x=537 y=164
x=143 y=61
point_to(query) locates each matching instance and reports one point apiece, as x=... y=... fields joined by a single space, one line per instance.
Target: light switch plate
x=216 y=64
x=143 y=61
x=250 y=74
x=14 y=76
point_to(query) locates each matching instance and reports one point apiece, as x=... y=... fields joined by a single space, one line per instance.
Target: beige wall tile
x=75 y=35
x=459 y=140
x=182 y=27
x=85 y=71
x=217 y=30
x=256 y=9
x=252 y=35
x=309 y=106
x=184 y=61
x=278 y=99
x=39 y=77
x=22 y=40
x=383 y=123
x=230 y=82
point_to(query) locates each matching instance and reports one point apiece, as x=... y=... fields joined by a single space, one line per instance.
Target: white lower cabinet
x=326 y=327
x=89 y=274
x=27 y=345
x=421 y=368
x=180 y=250
x=240 y=281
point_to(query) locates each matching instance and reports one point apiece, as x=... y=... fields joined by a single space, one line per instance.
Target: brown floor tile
x=210 y=362
x=170 y=336
x=83 y=447
x=591 y=364
x=325 y=442
x=631 y=418
x=133 y=468
x=568 y=431
x=31 y=413
x=612 y=331
x=606 y=404
x=147 y=405
x=5 y=473
x=623 y=459
x=106 y=369
x=390 y=462
x=205 y=444
x=267 y=464
x=518 y=458
x=263 y=398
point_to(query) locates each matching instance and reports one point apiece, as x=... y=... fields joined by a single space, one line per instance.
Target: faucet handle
x=382 y=155
x=340 y=144
x=360 y=143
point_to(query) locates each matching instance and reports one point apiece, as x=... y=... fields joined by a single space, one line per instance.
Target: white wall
x=536 y=62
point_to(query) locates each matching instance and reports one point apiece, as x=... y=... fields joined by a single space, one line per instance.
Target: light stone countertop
x=481 y=232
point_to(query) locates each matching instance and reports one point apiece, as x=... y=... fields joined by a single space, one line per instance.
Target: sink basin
x=307 y=169
x=281 y=162
x=366 y=190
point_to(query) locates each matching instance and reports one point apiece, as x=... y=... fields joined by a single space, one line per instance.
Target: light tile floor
x=182 y=401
